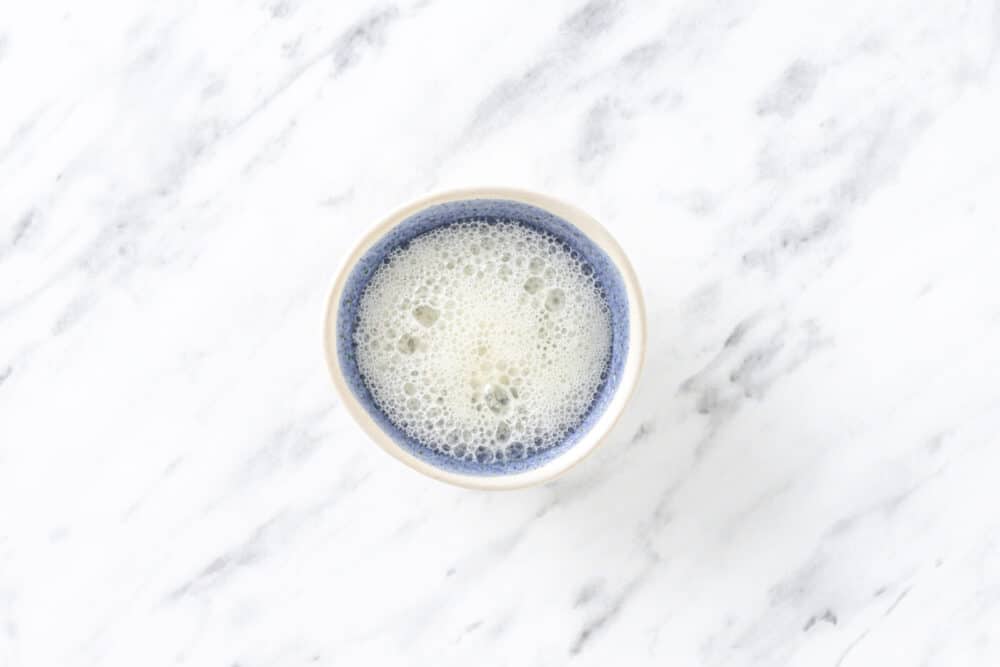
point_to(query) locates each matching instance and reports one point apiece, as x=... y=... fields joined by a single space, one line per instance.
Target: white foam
x=483 y=341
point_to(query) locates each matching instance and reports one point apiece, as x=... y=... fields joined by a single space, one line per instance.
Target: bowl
x=578 y=232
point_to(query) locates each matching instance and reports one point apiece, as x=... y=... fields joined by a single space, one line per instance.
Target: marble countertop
x=805 y=476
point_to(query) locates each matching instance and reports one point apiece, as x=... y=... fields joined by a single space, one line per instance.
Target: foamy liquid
x=483 y=341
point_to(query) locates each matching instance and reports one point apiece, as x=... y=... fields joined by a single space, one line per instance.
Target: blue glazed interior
x=493 y=211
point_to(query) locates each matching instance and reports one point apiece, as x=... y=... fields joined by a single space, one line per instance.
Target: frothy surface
x=484 y=342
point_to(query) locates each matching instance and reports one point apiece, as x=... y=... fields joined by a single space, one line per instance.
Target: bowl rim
x=590 y=440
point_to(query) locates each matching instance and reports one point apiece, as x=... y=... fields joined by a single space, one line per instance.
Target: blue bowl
x=420 y=220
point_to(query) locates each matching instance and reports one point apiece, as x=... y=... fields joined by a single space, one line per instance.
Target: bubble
x=535 y=265
x=497 y=399
x=407 y=344
x=555 y=299
x=503 y=432
x=426 y=315
x=515 y=450
x=533 y=284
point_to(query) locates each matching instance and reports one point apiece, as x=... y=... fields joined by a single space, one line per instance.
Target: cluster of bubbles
x=484 y=341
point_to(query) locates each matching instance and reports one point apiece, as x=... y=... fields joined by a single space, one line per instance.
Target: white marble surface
x=810 y=192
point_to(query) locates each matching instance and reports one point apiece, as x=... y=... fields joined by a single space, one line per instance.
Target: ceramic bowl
x=577 y=231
